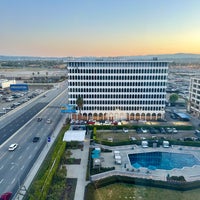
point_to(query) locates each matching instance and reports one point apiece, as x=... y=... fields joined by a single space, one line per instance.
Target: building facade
x=5 y=83
x=194 y=97
x=119 y=90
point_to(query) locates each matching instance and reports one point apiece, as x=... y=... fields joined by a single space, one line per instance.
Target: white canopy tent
x=72 y=135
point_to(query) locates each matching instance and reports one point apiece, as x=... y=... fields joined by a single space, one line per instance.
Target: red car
x=91 y=122
x=6 y=196
x=114 y=123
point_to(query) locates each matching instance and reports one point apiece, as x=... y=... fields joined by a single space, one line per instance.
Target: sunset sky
x=99 y=27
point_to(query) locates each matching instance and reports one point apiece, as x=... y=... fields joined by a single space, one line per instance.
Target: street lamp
x=18 y=179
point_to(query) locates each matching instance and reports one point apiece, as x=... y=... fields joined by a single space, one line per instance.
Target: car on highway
x=12 y=147
x=39 y=119
x=49 y=121
x=36 y=139
x=6 y=196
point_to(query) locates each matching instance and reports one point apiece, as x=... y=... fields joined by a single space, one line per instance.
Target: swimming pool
x=163 y=160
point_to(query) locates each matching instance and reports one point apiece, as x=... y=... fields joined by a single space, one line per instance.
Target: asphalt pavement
x=39 y=161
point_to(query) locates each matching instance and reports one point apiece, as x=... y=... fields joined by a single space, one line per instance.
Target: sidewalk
x=79 y=171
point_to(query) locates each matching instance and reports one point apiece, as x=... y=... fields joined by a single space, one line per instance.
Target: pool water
x=163 y=160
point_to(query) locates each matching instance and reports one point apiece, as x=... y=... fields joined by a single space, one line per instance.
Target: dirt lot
x=119 y=135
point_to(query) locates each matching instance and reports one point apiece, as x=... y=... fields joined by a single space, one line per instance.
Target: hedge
x=172 y=184
x=42 y=182
x=120 y=127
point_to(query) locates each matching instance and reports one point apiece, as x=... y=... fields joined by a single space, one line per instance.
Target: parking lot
x=10 y=100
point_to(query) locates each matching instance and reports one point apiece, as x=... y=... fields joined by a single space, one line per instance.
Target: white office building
x=119 y=90
x=194 y=97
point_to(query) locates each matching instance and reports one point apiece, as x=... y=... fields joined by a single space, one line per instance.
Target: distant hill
x=178 y=58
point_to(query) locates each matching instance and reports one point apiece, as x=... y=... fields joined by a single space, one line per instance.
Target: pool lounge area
x=190 y=171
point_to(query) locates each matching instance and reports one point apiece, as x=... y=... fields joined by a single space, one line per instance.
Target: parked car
x=144 y=130
x=169 y=130
x=161 y=120
x=153 y=130
x=188 y=139
x=174 y=130
x=91 y=122
x=173 y=116
x=162 y=130
x=138 y=130
x=197 y=131
x=114 y=123
x=133 y=138
x=12 y=147
x=125 y=130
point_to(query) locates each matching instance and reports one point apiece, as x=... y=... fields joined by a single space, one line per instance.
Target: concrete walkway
x=79 y=171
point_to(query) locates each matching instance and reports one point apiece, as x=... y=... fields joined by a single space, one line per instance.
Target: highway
x=21 y=126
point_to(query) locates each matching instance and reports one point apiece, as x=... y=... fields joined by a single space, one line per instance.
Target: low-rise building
x=5 y=83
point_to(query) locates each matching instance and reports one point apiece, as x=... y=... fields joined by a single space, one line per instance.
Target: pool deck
x=189 y=173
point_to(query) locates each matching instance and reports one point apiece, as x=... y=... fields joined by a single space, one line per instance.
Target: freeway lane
x=8 y=130
x=14 y=166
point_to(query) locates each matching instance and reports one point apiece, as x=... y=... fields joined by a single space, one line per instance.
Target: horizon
x=99 y=29
x=146 y=55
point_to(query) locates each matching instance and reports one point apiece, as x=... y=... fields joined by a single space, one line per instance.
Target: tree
x=173 y=98
x=79 y=103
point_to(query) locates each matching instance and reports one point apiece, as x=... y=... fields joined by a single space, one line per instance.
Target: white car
x=133 y=139
x=125 y=130
x=12 y=147
x=48 y=121
x=174 y=130
x=144 y=130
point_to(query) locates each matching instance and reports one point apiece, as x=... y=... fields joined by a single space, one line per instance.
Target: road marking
x=13 y=181
x=2 y=167
x=27 y=148
x=22 y=167
x=30 y=157
x=12 y=167
x=20 y=158
x=2 y=155
x=1 y=181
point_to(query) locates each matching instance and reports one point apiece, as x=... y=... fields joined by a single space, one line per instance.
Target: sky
x=99 y=27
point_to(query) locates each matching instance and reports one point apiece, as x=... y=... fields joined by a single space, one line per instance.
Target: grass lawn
x=121 y=191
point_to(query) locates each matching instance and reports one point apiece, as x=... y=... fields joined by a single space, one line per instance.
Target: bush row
x=42 y=182
x=179 y=185
x=120 y=127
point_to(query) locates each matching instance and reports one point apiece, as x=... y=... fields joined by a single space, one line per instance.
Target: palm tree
x=33 y=74
x=79 y=103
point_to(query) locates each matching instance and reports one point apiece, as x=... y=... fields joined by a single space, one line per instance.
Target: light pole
x=18 y=179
